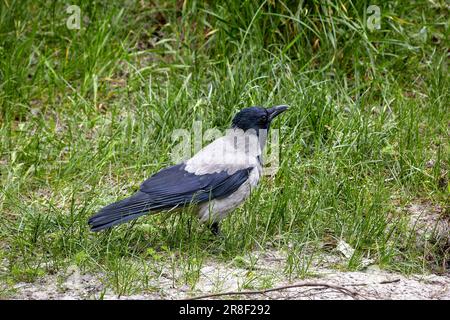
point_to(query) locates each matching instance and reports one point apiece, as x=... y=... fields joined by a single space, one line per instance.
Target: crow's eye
x=263 y=119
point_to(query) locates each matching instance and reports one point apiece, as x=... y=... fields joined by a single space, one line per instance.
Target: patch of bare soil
x=219 y=280
x=430 y=222
x=431 y=226
x=262 y=275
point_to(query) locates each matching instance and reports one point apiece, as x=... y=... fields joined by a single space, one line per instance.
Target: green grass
x=86 y=115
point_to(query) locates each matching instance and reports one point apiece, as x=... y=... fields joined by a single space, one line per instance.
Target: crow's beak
x=274 y=111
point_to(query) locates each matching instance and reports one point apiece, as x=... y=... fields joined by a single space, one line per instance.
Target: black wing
x=169 y=188
x=175 y=186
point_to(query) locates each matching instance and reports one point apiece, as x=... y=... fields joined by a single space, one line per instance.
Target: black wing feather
x=169 y=188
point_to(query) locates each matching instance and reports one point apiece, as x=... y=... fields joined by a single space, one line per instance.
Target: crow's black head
x=256 y=117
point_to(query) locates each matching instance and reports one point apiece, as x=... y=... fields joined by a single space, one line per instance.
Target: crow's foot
x=215 y=228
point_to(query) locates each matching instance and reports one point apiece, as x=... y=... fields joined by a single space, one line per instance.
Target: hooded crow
x=216 y=180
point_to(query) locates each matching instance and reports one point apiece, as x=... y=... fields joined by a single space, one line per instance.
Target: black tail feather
x=122 y=211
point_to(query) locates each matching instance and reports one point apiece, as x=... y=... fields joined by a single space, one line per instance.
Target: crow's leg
x=214 y=227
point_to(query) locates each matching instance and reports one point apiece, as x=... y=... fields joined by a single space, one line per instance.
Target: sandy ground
x=325 y=283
